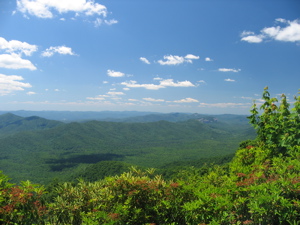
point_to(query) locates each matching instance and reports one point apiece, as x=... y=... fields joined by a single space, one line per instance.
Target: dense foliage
x=261 y=185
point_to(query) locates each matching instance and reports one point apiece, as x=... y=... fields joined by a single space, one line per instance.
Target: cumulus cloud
x=190 y=56
x=153 y=100
x=253 y=38
x=14 y=61
x=172 y=60
x=229 y=70
x=143 y=59
x=63 y=50
x=176 y=60
x=287 y=31
x=207 y=59
x=47 y=8
x=171 y=83
x=162 y=84
x=113 y=73
x=11 y=83
x=186 y=100
x=18 y=47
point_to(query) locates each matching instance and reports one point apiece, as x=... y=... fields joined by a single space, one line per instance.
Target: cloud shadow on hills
x=61 y=164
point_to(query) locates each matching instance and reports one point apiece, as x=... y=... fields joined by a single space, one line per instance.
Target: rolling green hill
x=65 y=149
x=12 y=124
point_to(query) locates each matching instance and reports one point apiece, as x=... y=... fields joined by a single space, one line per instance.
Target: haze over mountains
x=40 y=149
x=116 y=116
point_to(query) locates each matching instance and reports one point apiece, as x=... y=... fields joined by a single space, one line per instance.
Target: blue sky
x=161 y=56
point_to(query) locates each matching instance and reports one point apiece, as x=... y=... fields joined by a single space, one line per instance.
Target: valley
x=39 y=149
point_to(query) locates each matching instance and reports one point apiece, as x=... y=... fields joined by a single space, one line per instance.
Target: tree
x=278 y=125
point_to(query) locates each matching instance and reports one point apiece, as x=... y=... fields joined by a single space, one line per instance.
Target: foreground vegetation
x=261 y=185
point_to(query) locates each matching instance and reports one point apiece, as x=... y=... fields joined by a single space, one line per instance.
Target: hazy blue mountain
x=127 y=116
x=71 y=116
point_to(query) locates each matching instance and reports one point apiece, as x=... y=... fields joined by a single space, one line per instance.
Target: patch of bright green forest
x=39 y=150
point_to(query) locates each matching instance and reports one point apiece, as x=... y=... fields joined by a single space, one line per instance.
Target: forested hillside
x=64 y=149
x=261 y=185
x=12 y=124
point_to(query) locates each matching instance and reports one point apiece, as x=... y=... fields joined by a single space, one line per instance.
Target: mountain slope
x=12 y=124
x=62 y=150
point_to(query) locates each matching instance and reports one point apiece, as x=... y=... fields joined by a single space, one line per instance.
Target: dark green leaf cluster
x=278 y=126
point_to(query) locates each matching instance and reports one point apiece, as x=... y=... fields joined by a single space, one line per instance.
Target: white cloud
x=113 y=73
x=15 y=46
x=10 y=83
x=110 y=22
x=172 y=60
x=14 y=61
x=253 y=39
x=126 y=89
x=46 y=8
x=224 y=105
x=162 y=84
x=143 y=59
x=229 y=80
x=288 y=33
x=63 y=50
x=153 y=100
x=176 y=60
x=207 y=59
x=56 y=89
x=30 y=93
x=247 y=98
x=190 y=56
x=111 y=94
x=171 y=83
x=201 y=81
x=98 y=22
x=96 y=98
x=229 y=70
x=246 y=33
x=134 y=84
x=186 y=100
x=114 y=93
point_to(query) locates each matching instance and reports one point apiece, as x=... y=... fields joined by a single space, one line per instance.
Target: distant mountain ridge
x=71 y=116
x=126 y=116
x=12 y=124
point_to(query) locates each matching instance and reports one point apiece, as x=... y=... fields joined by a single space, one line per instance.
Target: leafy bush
x=21 y=204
